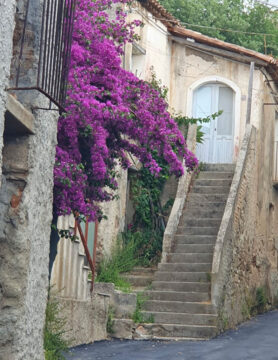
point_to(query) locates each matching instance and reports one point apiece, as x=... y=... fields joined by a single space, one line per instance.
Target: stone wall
x=245 y=256
x=85 y=320
x=7 y=23
x=110 y=228
x=181 y=194
x=25 y=213
x=25 y=219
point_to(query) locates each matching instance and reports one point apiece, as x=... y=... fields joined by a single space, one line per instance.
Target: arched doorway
x=218 y=141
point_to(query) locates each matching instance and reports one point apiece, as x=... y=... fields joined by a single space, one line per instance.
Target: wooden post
x=250 y=90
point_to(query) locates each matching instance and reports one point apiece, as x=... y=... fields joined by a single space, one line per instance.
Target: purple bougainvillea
x=110 y=113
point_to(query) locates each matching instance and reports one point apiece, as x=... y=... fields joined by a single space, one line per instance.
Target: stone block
x=123 y=329
x=141 y=333
x=85 y=320
x=19 y=120
x=104 y=288
x=15 y=157
x=123 y=304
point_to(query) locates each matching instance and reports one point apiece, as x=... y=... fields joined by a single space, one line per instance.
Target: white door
x=217 y=146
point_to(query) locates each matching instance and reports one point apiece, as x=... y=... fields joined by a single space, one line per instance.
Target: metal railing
x=91 y=259
x=54 y=51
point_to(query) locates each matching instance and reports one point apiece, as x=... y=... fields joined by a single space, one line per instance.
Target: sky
x=273 y=2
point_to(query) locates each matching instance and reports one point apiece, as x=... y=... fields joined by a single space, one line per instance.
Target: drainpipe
x=250 y=91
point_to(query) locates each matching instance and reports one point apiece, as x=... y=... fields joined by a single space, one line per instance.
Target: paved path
x=254 y=340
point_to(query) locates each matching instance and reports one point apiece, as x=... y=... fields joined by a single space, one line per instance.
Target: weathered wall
x=249 y=254
x=109 y=229
x=25 y=215
x=154 y=40
x=85 y=320
x=190 y=65
x=7 y=23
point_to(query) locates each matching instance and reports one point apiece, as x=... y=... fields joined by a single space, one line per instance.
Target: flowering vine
x=110 y=113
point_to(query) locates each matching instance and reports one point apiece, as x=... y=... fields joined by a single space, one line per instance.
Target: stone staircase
x=179 y=300
x=140 y=278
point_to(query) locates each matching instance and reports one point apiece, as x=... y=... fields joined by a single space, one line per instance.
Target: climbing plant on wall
x=110 y=113
x=150 y=217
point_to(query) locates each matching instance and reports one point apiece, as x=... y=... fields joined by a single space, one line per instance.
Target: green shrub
x=122 y=260
x=110 y=320
x=54 y=329
x=255 y=302
x=261 y=300
x=147 y=245
x=137 y=316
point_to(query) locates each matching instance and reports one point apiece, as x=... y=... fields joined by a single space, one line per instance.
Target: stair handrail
x=181 y=194
x=225 y=230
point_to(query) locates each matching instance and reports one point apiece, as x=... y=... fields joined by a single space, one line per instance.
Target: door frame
x=237 y=91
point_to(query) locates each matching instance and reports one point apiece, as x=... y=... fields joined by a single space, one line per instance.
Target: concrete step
x=201 y=222
x=195 y=198
x=213 y=182
x=204 y=206
x=218 y=167
x=182 y=276
x=215 y=175
x=211 y=190
x=194 y=248
x=196 y=230
x=138 y=280
x=181 y=318
x=195 y=239
x=140 y=270
x=189 y=258
x=202 y=213
x=177 y=296
x=175 y=331
x=181 y=286
x=178 y=306
x=190 y=267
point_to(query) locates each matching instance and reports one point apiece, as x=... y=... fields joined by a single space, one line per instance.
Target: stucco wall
x=154 y=40
x=249 y=254
x=85 y=320
x=7 y=23
x=109 y=228
x=191 y=66
x=25 y=219
x=25 y=214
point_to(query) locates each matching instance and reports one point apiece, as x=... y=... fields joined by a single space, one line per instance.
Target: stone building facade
x=27 y=141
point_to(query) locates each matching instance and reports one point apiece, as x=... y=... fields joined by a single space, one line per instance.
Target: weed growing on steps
x=137 y=316
x=54 y=330
x=110 y=320
x=122 y=260
x=208 y=274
